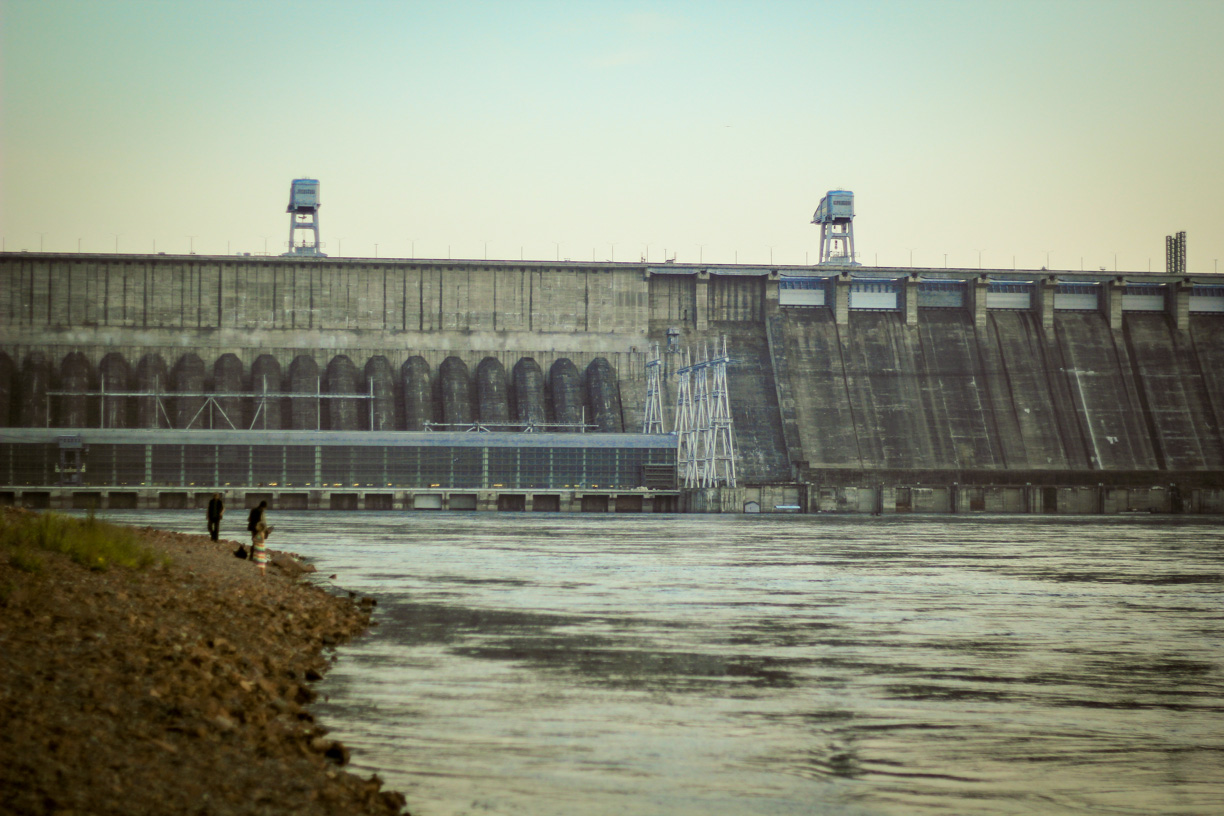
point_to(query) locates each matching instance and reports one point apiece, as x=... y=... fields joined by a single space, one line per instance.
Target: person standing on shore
x=257 y=523
x=216 y=509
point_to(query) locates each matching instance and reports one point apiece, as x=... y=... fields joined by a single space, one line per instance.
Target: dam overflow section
x=415 y=384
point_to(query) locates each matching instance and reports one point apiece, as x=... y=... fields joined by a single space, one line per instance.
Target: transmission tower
x=652 y=421
x=706 y=434
x=686 y=427
x=722 y=431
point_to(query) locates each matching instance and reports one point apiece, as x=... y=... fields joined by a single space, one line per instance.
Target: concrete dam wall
x=879 y=395
x=874 y=380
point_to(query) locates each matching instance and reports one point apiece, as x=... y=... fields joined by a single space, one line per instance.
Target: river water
x=540 y=664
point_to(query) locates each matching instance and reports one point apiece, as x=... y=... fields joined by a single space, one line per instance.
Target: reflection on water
x=561 y=664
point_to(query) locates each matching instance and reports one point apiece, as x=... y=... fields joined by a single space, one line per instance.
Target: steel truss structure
x=211 y=401
x=706 y=455
x=652 y=419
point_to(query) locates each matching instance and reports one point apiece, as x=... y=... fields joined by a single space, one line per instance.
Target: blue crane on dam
x=835 y=215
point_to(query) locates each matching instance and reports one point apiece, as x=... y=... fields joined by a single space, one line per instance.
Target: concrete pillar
x=1045 y=300
x=1111 y=302
x=977 y=300
x=770 y=301
x=909 y=293
x=1179 y=303
x=841 y=299
x=703 y=300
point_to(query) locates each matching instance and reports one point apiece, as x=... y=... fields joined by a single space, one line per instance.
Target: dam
x=357 y=383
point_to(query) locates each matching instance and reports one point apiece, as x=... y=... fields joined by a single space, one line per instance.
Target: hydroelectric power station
x=358 y=383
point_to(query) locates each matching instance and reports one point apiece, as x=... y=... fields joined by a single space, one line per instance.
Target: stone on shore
x=172 y=689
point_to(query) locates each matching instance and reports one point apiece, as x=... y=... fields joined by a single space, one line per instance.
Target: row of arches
x=304 y=396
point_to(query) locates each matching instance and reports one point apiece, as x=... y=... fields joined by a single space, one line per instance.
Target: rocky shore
x=183 y=687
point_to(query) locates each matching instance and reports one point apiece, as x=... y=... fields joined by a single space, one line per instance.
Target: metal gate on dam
x=138 y=380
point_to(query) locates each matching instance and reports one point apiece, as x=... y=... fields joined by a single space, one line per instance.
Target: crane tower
x=304 y=215
x=835 y=215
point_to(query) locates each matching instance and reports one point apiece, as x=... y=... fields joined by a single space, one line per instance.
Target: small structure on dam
x=303 y=212
x=835 y=215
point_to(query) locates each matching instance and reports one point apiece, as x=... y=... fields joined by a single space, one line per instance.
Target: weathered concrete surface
x=813 y=390
x=1175 y=394
x=877 y=394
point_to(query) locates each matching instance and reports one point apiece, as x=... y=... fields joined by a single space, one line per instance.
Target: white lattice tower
x=652 y=420
x=722 y=451
x=701 y=423
x=686 y=457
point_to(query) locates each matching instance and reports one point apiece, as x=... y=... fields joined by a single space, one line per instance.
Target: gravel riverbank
x=176 y=688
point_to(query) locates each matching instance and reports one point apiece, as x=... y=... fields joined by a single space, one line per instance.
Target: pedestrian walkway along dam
x=138 y=380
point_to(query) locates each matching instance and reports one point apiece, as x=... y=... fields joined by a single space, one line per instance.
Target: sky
x=1067 y=135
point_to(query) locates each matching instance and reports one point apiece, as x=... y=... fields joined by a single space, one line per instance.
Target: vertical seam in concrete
x=1053 y=382
x=984 y=401
x=841 y=361
x=1213 y=406
x=1006 y=374
x=1140 y=390
x=930 y=390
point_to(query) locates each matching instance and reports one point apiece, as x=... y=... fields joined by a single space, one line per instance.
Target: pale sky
x=1067 y=132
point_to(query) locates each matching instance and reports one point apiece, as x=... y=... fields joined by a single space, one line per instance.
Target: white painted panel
x=1079 y=302
x=1206 y=304
x=801 y=297
x=1143 y=303
x=1009 y=300
x=873 y=300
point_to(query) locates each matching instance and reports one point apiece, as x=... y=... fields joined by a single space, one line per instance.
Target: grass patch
x=89 y=542
x=21 y=558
